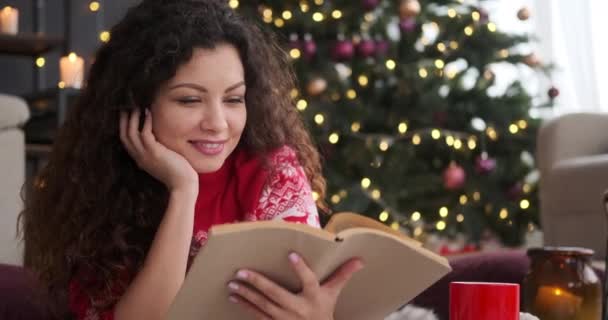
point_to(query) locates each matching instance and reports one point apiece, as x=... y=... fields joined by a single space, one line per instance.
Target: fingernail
x=242 y=274
x=360 y=265
x=147 y=112
x=293 y=257
x=233 y=299
x=233 y=286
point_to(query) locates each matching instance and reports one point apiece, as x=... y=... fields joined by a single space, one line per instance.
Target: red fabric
x=245 y=189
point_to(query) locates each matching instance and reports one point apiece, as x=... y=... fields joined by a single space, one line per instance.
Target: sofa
x=14 y=113
x=573 y=162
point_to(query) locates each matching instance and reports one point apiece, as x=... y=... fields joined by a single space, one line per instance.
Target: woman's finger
x=340 y=277
x=133 y=132
x=147 y=137
x=257 y=299
x=268 y=288
x=309 y=280
x=259 y=315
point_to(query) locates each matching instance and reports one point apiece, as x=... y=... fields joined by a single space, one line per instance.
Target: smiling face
x=200 y=113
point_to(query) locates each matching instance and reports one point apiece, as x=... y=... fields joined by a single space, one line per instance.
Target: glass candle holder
x=561 y=285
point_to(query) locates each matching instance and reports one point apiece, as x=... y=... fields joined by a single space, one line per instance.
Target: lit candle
x=9 y=20
x=551 y=300
x=72 y=70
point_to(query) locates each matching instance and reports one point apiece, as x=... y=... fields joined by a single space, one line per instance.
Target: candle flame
x=72 y=57
x=8 y=10
x=557 y=292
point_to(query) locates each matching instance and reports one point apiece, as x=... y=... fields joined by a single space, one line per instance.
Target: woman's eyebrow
x=203 y=89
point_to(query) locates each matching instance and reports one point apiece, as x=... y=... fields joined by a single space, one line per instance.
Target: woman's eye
x=236 y=100
x=188 y=100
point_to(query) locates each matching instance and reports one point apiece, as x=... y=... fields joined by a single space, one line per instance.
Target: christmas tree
x=399 y=97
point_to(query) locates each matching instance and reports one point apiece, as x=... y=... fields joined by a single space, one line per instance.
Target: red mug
x=484 y=301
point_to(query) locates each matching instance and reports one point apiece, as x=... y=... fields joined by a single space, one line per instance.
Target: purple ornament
x=485 y=164
x=369 y=4
x=515 y=192
x=408 y=24
x=309 y=49
x=366 y=48
x=382 y=47
x=343 y=50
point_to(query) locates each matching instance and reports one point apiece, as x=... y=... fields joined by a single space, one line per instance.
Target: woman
x=186 y=122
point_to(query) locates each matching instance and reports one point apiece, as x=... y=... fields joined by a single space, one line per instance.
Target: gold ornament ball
x=532 y=60
x=523 y=14
x=409 y=8
x=316 y=86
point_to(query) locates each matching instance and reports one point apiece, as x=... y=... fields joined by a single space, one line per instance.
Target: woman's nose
x=214 y=117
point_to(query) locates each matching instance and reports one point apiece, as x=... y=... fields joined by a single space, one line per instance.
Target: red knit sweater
x=244 y=189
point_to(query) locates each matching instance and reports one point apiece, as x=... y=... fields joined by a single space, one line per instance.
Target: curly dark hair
x=91 y=207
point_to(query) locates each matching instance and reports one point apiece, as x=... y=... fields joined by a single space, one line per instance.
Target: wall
x=16 y=73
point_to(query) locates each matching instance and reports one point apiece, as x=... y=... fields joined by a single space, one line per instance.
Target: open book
x=397 y=268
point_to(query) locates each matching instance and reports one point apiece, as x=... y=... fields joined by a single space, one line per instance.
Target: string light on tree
x=234 y=4
x=355 y=127
x=436 y=134
x=468 y=30
x=402 y=128
x=504 y=214
x=334 y=138
x=440 y=225
x=423 y=73
x=384 y=145
x=416 y=139
x=457 y=144
x=376 y=194
x=383 y=216
x=416 y=216
x=319 y=119
x=365 y=183
x=492 y=27
x=463 y=199
x=301 y=104
x=449 y=140
x=451 y=13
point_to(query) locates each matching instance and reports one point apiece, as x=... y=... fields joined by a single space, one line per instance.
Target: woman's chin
x=208 y=167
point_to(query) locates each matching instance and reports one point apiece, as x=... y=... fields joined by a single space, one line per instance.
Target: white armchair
x=573 y=161
x=13 y=114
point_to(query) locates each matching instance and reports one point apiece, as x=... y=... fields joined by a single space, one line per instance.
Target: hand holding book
x=265 y=299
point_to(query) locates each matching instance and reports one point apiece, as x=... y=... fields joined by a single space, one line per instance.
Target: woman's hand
x=315 y=302
x=166 y=165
